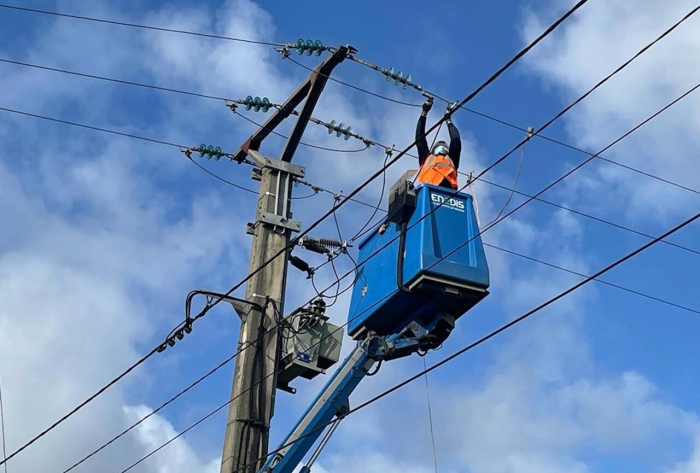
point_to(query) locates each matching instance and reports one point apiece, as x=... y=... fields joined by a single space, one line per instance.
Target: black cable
x=117 y=81
x=592 y=217
x=94 y=128
x=515 y=184
x=81 y=405
x=616 y=286
x=126 y=135
x=379 y=203
x=153 y=412
x=475 y=112
x=216 y=176
x=134 y=25
x=2 y=425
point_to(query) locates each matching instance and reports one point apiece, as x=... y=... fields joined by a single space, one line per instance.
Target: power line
x=545 y=304
x=135 y=25
x=576 y=273
x=369 y=308
x=346 y=84
x=125 y=135
x=216 y=176
x=430 y=416
x=592 y=217
x=94 y=128
x=153 y=412
x=111 y=79
x=177 y=333
x=2 y=425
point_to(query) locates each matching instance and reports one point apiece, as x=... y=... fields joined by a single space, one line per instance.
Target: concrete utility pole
x=255 y=380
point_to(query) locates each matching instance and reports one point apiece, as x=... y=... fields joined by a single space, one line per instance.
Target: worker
x=439 y=165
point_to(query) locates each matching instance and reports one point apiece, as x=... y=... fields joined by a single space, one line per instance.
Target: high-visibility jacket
x=437 y=168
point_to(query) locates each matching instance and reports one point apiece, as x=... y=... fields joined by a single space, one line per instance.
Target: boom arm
x=334 y=399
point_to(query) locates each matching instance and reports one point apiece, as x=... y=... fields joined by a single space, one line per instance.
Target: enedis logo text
x=451 y=203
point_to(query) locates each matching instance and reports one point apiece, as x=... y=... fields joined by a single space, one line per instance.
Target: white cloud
x=597 y=39
x=154 y=432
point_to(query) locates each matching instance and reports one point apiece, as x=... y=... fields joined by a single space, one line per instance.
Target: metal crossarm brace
x=310 y=90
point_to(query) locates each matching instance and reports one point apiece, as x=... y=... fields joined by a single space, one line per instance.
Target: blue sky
x=104 y=236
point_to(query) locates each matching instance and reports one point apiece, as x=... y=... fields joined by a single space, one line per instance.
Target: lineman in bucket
x=439 y=165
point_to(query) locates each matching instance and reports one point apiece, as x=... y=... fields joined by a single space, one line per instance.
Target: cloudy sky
x=103 y=236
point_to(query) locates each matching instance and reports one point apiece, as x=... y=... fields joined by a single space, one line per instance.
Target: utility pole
x=254 y=379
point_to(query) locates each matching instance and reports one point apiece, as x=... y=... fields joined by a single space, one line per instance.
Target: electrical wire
x=2 y=426
x=216 y=176
x=94 y=128
x=116 y=81
x=592 y=217
x=125 y=135
x=135 y=25
x=515 y=185
x=576 y=273
x=475 y=112
x=430 y=416
x=379 y=203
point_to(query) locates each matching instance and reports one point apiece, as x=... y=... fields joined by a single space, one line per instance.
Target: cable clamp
x=530 y=133
x=284 y=51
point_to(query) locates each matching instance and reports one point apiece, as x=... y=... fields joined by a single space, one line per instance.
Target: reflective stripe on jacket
x=437 y=168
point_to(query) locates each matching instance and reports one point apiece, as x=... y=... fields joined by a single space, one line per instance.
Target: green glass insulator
x=301 y=46
x=348 y=131
x=318 y=46
x=256 y=104
x=202 y=150
x=406 y=81
x=218 y=153
x=309 y=47
x=248 y=102
x=331 y=127
x=265 y=104
x=390 y=74
x=210 y=151
x=340 y=130
x=397 y=78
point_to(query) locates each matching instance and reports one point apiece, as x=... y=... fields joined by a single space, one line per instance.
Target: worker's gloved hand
x=427 y=105
x=448 y=111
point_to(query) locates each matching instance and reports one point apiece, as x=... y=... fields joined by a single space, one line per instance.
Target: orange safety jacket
x=437 y=168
